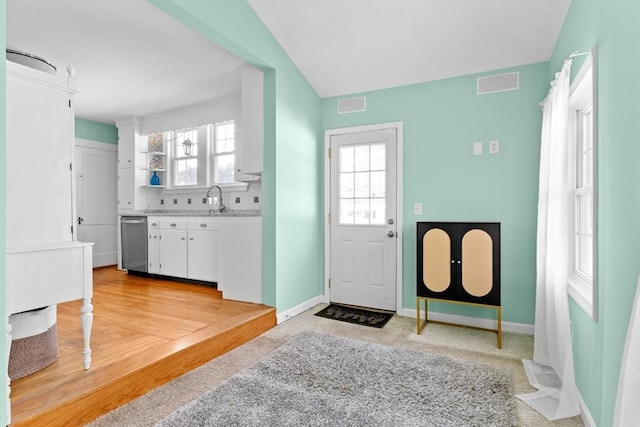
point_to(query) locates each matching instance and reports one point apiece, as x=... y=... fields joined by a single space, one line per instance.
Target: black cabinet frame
x=455 y=292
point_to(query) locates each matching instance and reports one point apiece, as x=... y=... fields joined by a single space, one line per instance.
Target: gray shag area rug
x=318 y=380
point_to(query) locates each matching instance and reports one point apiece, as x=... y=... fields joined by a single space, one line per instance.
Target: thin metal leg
x=499 y=310
x=418 y=316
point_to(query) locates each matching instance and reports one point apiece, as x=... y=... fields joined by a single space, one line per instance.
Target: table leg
x=87 y=322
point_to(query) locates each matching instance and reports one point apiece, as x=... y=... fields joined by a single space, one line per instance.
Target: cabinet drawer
x=153 y=222
x=201 y=223
x=173 y=223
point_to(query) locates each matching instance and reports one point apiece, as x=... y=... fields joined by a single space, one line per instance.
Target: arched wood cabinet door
x=459 y=261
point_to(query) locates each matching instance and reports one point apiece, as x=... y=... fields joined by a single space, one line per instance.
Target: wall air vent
x=352 y=105
x=498 y=83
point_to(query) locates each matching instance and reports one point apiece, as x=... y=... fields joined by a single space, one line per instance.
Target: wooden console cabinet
x=459 y=262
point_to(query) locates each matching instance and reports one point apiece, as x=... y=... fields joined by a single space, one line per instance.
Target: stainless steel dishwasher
x=134 y=243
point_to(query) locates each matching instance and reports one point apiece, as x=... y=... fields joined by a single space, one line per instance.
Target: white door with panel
x=363 y=218
x=97 y=215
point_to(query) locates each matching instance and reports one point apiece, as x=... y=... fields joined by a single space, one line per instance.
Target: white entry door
x=363 y=219
x=96 y=200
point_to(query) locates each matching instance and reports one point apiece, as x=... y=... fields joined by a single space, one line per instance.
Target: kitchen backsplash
x=250 y=198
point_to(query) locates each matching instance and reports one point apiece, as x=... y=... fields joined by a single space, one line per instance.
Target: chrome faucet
x=221 y=206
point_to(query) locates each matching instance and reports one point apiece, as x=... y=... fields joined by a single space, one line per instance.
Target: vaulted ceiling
x=132 y=59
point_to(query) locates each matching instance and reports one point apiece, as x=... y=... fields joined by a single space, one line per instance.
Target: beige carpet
x=458 y=343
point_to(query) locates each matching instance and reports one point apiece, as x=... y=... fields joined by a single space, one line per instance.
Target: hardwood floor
x=146 y=332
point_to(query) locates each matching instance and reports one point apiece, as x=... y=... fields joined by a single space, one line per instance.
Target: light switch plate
x=477 y=148
x=494 y=147
x=417 y=208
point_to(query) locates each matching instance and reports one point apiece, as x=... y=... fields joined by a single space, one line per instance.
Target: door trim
x=327 y=202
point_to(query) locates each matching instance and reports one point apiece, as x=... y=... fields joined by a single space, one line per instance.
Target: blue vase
x=155 y=179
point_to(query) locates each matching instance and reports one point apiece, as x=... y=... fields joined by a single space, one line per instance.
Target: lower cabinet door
x=203 y=255
x=173 y=253
x=154 y=252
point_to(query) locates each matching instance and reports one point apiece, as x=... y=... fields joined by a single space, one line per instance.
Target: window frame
x=583 y=96
x=214 y=154
x=206 y=156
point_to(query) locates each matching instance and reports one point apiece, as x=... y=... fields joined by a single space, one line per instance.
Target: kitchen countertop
x=227 y=213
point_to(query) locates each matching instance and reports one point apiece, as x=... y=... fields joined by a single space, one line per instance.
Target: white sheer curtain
x=627 y=405
x=551 y=370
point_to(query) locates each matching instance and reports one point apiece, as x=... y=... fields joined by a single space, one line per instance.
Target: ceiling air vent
x=352 y=105
x=498 y=83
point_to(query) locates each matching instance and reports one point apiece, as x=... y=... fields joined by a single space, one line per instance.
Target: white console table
x=40 y=275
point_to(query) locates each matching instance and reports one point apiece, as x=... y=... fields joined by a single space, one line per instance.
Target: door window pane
x=378 y=154
x=377 y=211
x=362 y=211
x=346 y=185
x=346 y=159
x=377 y=185
x=346 y=211
x=362 y=186
x=362 y=157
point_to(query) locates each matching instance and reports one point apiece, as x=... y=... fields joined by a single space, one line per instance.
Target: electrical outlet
x=204 y=201
x=237 y=199
x=188 y=201
x=175 y=201
x=162 y=201
x=494 y=147
x=417 y=208
x=256 y=199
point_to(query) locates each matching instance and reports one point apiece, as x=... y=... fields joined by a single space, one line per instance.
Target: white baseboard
x=518 y=328
x=288 y=314
x=585 y=415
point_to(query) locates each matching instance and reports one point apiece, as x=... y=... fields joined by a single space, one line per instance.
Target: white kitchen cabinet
x=225 y=250
x=153 y=245
x=125 y=190
x=126 y=145
x=240 y=258
x=131 y=177
x=202 y=252
x=173 y=247
x=250 y=156
x=126 y=162
x=202 y=249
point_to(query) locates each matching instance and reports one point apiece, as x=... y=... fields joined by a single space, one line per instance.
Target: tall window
x=583 y=193
x=224 y=152
x=582 y=155
x=185 y=166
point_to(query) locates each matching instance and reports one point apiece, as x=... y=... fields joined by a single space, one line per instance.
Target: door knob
x=391 y=234
x=390 y=221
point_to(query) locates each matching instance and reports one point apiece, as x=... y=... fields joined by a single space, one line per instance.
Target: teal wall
x=440 y=171
x=96 y=131
x=614 y=26
x=441 y=121
x=3 y=186
x=292 y=180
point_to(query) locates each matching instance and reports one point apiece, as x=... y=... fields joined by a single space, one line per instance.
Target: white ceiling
x=133 y=59
x=347 y=46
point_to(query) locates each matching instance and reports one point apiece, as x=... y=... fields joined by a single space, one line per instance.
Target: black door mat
x=358 y=316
